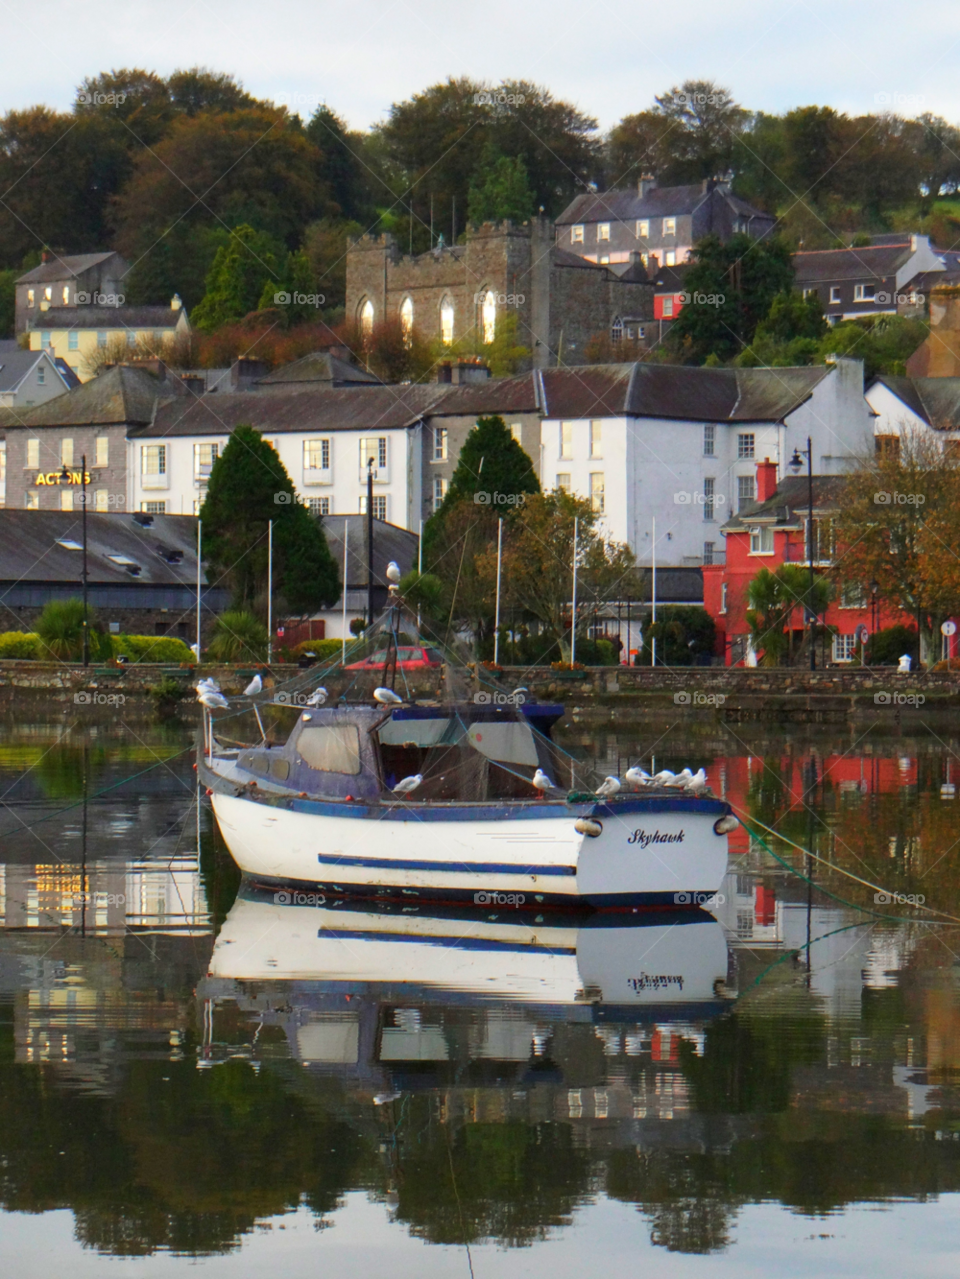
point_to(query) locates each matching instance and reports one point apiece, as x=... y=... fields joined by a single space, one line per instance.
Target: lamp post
x=874 y=587
x=796 y=466
x=65 y=475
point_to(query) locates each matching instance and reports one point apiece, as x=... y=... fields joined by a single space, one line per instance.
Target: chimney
x=445 y=374
x=175 y=303
x=468 y=371
x=246 y=372
x=156 y=366
x=646 y=185
x=45 y=256
x=195 y=383
x=766 y=480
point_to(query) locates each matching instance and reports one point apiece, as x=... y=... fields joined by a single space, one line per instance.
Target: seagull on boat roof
x=317 y=697
x=681 y=779
x=213 y=699
x=541 y=781
x=408 y=784
x=698 y=781
x=664 y=778
x=387 y=697
x=637 y=777
x=393 y=571
x=609 y=786
x=255 y=686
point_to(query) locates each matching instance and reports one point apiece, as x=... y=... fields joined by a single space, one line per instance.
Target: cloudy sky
x=608 y=58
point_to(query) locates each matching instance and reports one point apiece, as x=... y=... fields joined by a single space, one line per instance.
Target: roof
x=375 y=408
x=790 y=502
x=496 y=395
x=389 y=543
x=935 y=400
x=563 y=257
x=669 y=279
x=122 y=396
x=16 y=364
x=58 y=268
x=629 y=205
x=107 y=317
x=318 y=366
x=879 y=261
x=674 y=585
x=30 y=550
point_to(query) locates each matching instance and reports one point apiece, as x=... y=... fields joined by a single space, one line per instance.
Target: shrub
x=18 y=644
x=238 y=637
x=323 y=650
x=151 y=648
x=886 y=647
x=682 y=631
x=60 y=633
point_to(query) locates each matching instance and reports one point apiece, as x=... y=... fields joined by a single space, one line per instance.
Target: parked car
x=409 y=658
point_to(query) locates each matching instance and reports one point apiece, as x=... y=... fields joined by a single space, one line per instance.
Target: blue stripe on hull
x=455 y=868
x=451 y=943
x=558 y=811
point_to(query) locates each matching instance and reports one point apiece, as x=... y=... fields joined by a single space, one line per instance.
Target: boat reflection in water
x=361 y=989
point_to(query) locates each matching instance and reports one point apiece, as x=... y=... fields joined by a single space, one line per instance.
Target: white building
x=679 y=446
x=918 y=404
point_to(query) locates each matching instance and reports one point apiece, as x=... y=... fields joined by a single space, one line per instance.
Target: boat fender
x=588 y=826
x=724 y=825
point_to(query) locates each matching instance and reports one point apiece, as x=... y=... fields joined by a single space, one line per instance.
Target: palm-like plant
x=773 y=597
x=60 y=630
x=238 y=637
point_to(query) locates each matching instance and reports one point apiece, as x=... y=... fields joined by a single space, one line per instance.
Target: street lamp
x=796 y=466
x=874 y=587
x=65 y=475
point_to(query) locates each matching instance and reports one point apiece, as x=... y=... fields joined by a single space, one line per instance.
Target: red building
x=773 y=531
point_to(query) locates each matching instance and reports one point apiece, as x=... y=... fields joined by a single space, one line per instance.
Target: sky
x=608 y=58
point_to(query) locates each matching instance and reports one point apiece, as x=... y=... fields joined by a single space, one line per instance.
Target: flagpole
x=653 y=561
x=573 y=615
x=346 y=538
x=496 y=621
x=269 y=592
x=199 y=571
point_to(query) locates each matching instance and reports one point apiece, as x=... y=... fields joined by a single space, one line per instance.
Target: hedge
x=145 y=648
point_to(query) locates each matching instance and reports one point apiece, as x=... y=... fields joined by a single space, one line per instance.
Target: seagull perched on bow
x=393 y=571
x=213 y=699
x=317 y=697
x=637 y=777
x=664 y=778
x=255 y=686
x=541 y=781
x=681 y=779
x=408 y=784
x=698 y=781
x=609 y=786
x=387 y=697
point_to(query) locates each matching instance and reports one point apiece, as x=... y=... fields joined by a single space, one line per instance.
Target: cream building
x=86 y=336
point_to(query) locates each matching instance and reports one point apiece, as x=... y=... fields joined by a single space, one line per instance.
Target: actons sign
x=57 y=477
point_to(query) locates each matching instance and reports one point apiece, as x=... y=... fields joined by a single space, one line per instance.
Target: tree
x=341 y=168
x=325 y=244
x=774 y=597
x=790 y=335
x=236 y=280
x=682 y=631
x=8 y=298
x=492 y=470
x=249 y=487
x=883 y=342
x=500 y=190
x=296 y=282
x=703 y=122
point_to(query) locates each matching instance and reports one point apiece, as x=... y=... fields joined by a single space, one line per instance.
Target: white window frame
x=576 y=235
x=669 y=226
x=319 y=447
x=33 y=455
x=440 y=486
x=643 y=228
x=709 y=498
x=723 y=597
x=319 y=506
x=710 y=440
x=844 y=648
x=381 y=502
x=201 y=469
x=864 y=292
x=668 y=307
x=834 y=294
x=596 y=438
x=597 y=492
x=563 y=481
x=73 y=340
x=746 y=446
x=566 y=440
x=761 y=540
x=41 y=375
x=709 y=551
x=102 y=450
x=377 y=447
x=154 y=459
x=670 y=257
x=603 y=232
x=745 y=482
x=66 y=451
x=441 y=443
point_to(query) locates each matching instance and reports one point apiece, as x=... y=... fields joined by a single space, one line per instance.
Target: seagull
x=698 y=781
x=637 y=777
x=609 y=786
x=393 y=571
x=317 y=697
x=213 y=698
x=664 y=778
x=541 y=781
x=408 y=784
x=521 y=689
x=255 y=686
x=387 y=697
x=681 y=779
x=208 y=685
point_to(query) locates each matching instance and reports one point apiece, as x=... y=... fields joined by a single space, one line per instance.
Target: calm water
x=189 y=1077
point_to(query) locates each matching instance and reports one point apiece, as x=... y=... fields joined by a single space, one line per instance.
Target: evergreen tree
x=236 y=279
x=500 y=189
x=249 y=486
x=296 y=282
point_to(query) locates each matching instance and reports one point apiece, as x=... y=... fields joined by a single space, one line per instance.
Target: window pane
x=334 y=748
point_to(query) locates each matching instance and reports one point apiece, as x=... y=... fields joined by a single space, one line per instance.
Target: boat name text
x=644 y=839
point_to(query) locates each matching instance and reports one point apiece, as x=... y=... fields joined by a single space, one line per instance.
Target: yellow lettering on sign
x=53 y=477
x=41 y=479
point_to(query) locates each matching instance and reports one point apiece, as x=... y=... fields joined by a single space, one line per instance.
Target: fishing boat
x=461 y=797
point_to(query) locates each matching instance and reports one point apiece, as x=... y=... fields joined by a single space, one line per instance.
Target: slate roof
x=16 y=364
x=58 y=268
x=318 y=367
x=658 y=202
x=790 y=502
x=935 y=400
x=389 y=543
x=122 y=395
x=30 y=551
x=107 y=317
x=877 y=262
x=496 y=395
x=674 y=585
x=669 y=279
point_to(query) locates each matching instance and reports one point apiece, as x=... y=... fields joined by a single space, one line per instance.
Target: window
x=439 y=491
x=153 y=508
x=669 y=226
x=746 y=489
x=886 y=445
x=822 y=540
x=333 y=748
x=643 y=229
x=761 y=541
x=708 y=549
x=446 y=321
x=596 y=441
x=45 y=339
x=204 y=456
x=366 y=319
x=373 y=449
x=709 y=490
x=488 y=316
x=853 y=595
x=596 y=492
x=835 y=293
x=153 y=459
x=32 y=500
x=603 y=230
x=709 y=440
x=723 y=597
x=616 y=330
x=131 y=338
x=670 y=257
x=566 y=439
x=864 y=292
x=33 y=454
x=516 y=431
x=101 y=337
x=808 y=292
x=101 y=500
x=668 y=308
x=316 y=455
x=73 y=340
x=66 y=295
x=31 y=297
x=576 y=235
x=745 y=445
x=66 y=452
x=440 y=443
x=41 y=375
x=319 y=505
x=379 y=506
x=103 y=451
x=48 y=293
x=406 y=320
x=66 y=499
x=563 y=481
x=844 y=648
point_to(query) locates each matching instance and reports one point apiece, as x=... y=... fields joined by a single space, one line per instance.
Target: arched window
x=366 y=319
x=446 y=321
x=406 y=320
x=488 y=316
x=616 y=329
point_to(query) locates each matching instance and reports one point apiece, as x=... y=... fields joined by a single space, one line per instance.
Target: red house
x=772 y=531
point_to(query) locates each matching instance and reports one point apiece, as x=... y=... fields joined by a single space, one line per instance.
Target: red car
x=409 y=658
